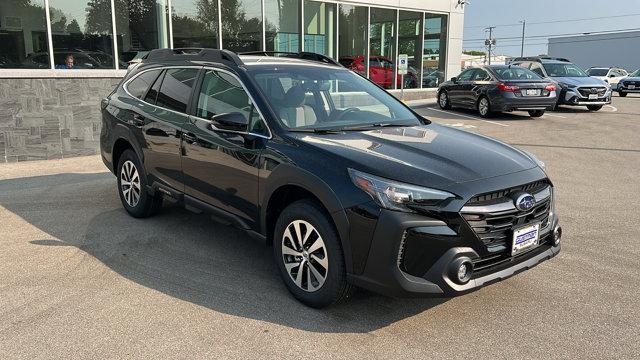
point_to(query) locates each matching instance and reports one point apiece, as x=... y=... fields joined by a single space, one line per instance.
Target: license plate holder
x=593 y=96
x=531 y=92
x=525 y=238
x=632 y=87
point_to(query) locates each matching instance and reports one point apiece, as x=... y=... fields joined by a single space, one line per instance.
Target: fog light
x=461 y=270
x=557 y=235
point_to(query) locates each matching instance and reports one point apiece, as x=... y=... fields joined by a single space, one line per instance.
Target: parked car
x=576 y=87
x=629 y=84
x=611 y=75
x=496 y=88
x=432 y=79
x=349 y=185
x=381 y=71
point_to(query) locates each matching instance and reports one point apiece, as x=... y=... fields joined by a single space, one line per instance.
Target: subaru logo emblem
x=594 y=90
x=525 y=202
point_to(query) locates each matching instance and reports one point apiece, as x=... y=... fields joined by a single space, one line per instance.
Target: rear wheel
x=622 y=93
x=309 y=256
x=443 y=100
x=536 y=113
x=132 y=186
x=594 y=107
x=484 y=107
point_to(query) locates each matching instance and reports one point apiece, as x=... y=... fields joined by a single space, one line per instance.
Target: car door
x=158 y=122
x=457 y=90
x=480 y=80
x=221 y=167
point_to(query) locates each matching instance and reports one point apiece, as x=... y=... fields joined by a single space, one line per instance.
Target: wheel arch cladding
x=287 y=184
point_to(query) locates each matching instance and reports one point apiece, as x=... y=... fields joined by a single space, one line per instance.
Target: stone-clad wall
x=51 y=118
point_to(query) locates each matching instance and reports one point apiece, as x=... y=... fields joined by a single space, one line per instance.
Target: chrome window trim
x=253 y=101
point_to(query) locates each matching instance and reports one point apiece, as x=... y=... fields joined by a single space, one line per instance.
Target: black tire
x=147 y=204
x=622 y=94
x=594 y=107
x=536 y=113
x=443 y=100
x=335 y=287
x=481 y=110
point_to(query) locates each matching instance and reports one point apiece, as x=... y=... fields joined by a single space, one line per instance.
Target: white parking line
x=614 y=109
x=469 y=117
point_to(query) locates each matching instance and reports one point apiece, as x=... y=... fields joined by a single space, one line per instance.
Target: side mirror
x=454 y=79
x=234 y=121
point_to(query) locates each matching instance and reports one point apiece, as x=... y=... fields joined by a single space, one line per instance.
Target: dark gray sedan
x=498 y=88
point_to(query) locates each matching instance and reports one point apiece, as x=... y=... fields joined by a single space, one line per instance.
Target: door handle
x=189 y=138
x=138 y=120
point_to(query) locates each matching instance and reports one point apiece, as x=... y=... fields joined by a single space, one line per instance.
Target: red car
x=381 y=70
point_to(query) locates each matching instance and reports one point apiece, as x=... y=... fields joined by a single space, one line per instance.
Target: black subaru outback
x=350 y=186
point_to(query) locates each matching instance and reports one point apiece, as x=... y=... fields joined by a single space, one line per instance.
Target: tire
x=622 y=94
x=443 y=100
x=536 y=113
x=484 y=107
x=594 y=107
x=132 y=184
x=326 y=259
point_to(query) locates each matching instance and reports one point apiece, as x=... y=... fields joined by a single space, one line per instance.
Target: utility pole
x=490 y=41
x=524 y=24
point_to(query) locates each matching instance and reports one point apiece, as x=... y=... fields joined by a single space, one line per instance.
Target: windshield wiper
x=374 y=125
x=319 y=131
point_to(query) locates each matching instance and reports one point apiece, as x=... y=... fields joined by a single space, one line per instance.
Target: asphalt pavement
x=79 y=278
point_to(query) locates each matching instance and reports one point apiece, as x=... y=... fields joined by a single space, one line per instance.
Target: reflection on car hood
x=580 y=81
x=431 y=155
x=629 y=78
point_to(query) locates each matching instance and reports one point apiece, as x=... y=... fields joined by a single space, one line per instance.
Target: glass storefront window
x=320 y=28
x=141 y=25
x=23 y=35
x=195 y=23
x=410 y=43
x=242 y=25
x=282 y=23
x=352 y=37
x=382 y=56
x=82 y=34
x=435 y=49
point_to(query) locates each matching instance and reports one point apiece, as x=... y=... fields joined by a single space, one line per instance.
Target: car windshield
x=564 y=70
x=515 y=73
x=635 y=73
x=597 y=72
x=314 y=98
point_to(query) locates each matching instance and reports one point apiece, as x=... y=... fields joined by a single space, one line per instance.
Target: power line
x=558 y=21
x=554 y=35
x=558 y=42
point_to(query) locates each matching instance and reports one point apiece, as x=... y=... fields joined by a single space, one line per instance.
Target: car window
x=635 y=73
x=598 y=72
x=481 y=75
x=466 y=75
x=515 y=73
x=222 y=93
x=564 y=70
x=176 y=89
x=537 y=68
x=152 y=94
x=139 y=85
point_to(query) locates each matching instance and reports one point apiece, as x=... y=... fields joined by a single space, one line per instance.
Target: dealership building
x=48 y=111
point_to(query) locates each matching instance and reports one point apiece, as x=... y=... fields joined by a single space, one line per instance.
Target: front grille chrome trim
x=504 y=206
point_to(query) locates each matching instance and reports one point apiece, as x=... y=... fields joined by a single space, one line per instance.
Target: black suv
x=349 y=185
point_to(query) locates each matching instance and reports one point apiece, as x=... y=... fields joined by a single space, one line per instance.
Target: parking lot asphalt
x=79 y=278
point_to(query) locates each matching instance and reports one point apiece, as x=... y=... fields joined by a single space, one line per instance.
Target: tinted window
x=635 y=73
x=515 y=73
x=481 y=75
x=222 y=93
x=536 y=68
x=598 y=72
x=466 y=75
x=176 y=89
x=564 y=70
x=139 y=85
x=152 y=94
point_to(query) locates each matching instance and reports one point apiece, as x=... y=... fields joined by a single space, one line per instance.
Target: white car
x=610 y=75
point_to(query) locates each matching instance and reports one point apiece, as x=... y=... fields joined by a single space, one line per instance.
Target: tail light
x=550 y=87
x=508 y=88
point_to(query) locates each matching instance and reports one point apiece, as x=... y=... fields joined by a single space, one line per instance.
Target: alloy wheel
x=443 y=99
x=483 y=106
x=130 y=183
x=305 y=255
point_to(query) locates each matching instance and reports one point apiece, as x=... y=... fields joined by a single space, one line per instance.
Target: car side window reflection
x=466 y=75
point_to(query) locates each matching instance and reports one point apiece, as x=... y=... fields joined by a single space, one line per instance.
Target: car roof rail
x=304 y=55
x=539 y=58
x=193 y=54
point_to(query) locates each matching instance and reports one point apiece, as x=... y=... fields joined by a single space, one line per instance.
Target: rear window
x=516 y=73
x=598 y=72
x=176 y=89
x=139 y=85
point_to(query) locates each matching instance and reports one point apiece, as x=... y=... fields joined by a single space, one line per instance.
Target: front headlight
x=394 y=195
x=566 y=86
x=537 y=161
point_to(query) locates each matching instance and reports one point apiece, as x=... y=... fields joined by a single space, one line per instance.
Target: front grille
x=493 y=217
x=586 y=91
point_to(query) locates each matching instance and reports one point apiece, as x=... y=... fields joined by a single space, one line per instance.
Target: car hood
x=580 y=81
x=430 y=155
x=629 y=78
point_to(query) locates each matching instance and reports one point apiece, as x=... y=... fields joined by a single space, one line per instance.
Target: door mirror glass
x=233 y=121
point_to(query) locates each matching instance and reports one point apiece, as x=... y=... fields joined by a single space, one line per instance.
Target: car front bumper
x=573 y=97
x=383 y=273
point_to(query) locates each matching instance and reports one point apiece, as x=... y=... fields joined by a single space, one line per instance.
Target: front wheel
x=622 y=94
x=536 y=113
x=484 y=107
x=132 y=187
x=443 y=100
x=594 y=107
x=308 y=252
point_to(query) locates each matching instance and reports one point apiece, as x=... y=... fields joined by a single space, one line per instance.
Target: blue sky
x=506 y=14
